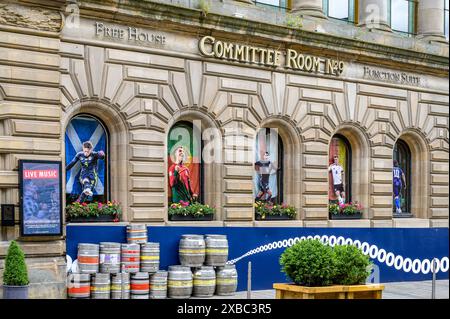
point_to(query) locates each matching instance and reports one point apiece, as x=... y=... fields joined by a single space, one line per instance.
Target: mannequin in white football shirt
x=337 y=174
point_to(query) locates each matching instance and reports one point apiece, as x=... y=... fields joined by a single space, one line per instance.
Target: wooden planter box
x=291 y=291
x=99 y=219
x=191 y=218
x=342 y=216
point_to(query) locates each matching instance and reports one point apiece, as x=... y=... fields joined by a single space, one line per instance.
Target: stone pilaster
x=374 y=14
x=430 y=20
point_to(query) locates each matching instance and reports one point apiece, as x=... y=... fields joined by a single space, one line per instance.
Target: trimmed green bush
x=309 y=263
x=351 y=265
x=15 y=273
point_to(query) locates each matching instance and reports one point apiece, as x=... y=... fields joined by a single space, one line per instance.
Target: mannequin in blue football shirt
x=88 y=176
x=399 y=182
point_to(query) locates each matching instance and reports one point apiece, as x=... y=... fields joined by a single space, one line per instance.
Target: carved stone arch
x=118 y=142
x=420 y=171
x=213 y=174
x=292 y=158
x=360 y=147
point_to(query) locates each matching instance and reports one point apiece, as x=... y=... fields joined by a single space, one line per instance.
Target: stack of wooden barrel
x=110 y=270
x=203 y=271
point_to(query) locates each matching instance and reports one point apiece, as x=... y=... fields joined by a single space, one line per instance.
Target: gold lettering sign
x=210 y=47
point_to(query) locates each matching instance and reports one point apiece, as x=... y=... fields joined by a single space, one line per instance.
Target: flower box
x=270 y=211
x=273 y=217
x=93 y=212
x=345 y=211
x=187 y=211
x=93 y=219
x=344 y=216
x=291 y=291
x=191 y=218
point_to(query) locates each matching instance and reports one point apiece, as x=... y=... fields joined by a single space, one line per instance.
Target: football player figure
x=265 y=168
x=399 y=182
x=179 y=179
x=88 y=176
x=337 y=174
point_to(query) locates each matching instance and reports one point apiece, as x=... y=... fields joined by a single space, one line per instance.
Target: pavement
x=392 y=290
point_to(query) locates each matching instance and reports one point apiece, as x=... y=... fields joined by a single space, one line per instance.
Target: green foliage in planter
x=15 y=273
x=195 y=209
x=95 y=209
x=351 y=265
x=266 y=208
x=309 y=263
x=345 y=209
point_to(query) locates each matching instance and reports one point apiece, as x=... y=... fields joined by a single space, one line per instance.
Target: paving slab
x=392 y=290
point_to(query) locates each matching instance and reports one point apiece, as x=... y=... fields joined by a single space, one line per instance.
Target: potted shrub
x=15 y=275
x=345 y=211
x=319 y=271
x=269 y=211
x=185 y=211
x=93 y=212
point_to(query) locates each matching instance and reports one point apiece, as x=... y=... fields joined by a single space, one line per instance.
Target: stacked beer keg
x=111 y=270
x=203 y=271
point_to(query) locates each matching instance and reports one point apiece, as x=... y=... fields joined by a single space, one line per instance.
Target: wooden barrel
x=192 y=250
x=136 y=234
x=158 y=285
x=100 y=286
x=79 y=286
x=204 y=281
x=216 y=250
x=226 y=280
x=109 y=257
x=88 y=258
x=130 y=257
x=179 y=282
x=120 y=286
x=139 y=285
x=150 y=257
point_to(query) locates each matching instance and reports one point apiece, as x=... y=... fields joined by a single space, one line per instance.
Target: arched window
x=402 y=154
x=80 y=129
x=268 y=175
x=340 y=170
x=402 y=15
x=185 y=169
x=340 y=9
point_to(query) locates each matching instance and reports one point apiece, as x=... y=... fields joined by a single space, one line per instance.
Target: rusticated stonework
x=30 y=17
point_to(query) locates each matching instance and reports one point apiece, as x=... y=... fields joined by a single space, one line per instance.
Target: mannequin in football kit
x=337 y=173
x=398 y=181
x=88 y=176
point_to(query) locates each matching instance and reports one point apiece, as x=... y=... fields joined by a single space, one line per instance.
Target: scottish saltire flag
x=79 y=130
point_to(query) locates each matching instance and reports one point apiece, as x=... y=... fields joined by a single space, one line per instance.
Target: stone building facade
x=136 y=66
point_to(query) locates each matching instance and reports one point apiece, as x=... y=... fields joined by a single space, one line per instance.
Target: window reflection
x=446 y=20
x=338 y=9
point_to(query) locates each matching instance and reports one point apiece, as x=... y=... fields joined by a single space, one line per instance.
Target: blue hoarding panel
x=400 y=254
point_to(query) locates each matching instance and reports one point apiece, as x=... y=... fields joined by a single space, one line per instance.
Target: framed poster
x=40 y=201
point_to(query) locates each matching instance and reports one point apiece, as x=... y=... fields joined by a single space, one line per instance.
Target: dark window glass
x=268 y=177
x=340 y=147
x=184 y=134
x=80 y=129
x=402 y=154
